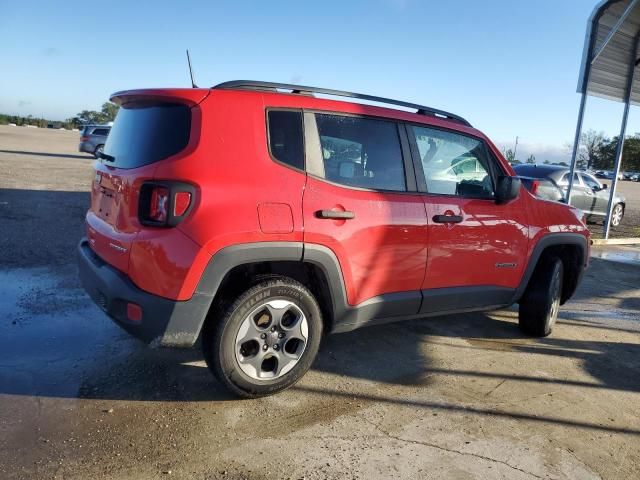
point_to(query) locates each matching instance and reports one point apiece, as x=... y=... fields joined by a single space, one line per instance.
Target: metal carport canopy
x=609 y=61
x=609 y=49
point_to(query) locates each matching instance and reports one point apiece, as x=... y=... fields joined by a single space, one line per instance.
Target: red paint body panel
x=466 y=253
x=275 y=218
x=242 y=196
x=382 y=250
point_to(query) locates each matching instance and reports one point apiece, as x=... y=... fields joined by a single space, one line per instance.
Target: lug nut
x=281 y=335
x=273 y=329
x=263 y=335
x=265 y=346
x=275 y=347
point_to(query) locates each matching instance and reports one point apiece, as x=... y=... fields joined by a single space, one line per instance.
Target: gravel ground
x=457 y=397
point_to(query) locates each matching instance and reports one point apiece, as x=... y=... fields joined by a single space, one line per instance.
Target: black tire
x=98 y=150
x=538 y=307
x=617 y=213
x=222 y=328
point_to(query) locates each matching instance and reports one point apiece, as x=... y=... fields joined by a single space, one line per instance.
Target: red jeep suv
x=259 y=217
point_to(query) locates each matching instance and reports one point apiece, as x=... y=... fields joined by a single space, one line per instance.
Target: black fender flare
x=551 y=240
x=228 y=258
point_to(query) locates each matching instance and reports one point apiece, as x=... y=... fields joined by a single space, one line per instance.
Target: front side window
x=591 y=182
x=454 y=164
x=285 y=137
x=361 y=152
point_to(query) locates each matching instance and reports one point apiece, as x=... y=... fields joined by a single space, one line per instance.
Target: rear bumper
x=164 y=322
x=86 y=147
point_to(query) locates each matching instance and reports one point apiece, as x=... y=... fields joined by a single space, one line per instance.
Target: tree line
x=595 y=152
x=106 y=114
x=598 y=152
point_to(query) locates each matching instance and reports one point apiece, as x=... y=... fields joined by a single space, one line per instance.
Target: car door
x=361 y=202
x=599 y=197
x=580 y=197
x=476 y=248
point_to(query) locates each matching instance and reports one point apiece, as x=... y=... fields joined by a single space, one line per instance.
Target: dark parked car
x=589 y=195
x=93 y=138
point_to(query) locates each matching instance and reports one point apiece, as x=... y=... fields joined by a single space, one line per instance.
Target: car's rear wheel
x=616 y=215
x=539 y=306
x=266 y=340
x=99 y=149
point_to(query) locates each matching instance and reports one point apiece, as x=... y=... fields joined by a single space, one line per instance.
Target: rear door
x=476 y=247
x=144 y=132
x=361 y=201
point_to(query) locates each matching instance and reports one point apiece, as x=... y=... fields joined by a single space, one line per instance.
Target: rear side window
x=145 y=133
x=361 y=152
x=285 y=137
x=101 y=131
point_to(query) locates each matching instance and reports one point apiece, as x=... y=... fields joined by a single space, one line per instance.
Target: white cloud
x=542 y=151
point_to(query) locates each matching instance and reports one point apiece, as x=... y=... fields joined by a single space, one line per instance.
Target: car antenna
x=193 y=83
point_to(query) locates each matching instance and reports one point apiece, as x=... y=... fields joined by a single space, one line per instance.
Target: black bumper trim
x=164 y=322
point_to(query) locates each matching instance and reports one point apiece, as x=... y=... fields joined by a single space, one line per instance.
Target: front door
x=476 y=247
x=598 y=199
x=358 y=202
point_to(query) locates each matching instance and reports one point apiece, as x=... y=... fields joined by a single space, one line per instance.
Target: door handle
x=335 y=215
x=447 y=218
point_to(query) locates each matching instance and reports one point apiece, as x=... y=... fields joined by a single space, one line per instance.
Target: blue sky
x=510 y=67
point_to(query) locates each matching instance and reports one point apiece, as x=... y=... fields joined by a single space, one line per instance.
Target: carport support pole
x=576 y=144
x=623 y=130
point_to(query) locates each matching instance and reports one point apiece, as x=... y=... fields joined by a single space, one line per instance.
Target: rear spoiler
x=190 y=96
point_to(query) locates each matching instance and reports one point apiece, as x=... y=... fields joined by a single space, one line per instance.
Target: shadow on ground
x=40 y=227
x=47 y=154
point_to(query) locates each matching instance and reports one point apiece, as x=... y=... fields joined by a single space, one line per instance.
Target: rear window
x=285 y=137
x=145 y=133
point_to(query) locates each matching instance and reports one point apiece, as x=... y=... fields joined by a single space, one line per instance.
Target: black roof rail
x=301 y=89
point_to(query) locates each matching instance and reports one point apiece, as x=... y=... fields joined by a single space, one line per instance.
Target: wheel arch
x=234 y=269
x=571 y=248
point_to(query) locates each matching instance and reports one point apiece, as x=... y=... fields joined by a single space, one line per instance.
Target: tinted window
x=285 y=137
x=361 y=152
x=591 y=182
x=454 y=164
x=144 y=133
x=101 y=131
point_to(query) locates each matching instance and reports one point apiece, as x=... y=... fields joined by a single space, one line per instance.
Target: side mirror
x=604 y=186
x=507 y=189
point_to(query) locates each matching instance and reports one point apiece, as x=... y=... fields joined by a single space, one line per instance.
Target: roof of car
x=307 y=90
x=541 y=171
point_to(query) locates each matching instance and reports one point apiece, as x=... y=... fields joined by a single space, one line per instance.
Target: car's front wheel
x=266 y=340
x=539 y=306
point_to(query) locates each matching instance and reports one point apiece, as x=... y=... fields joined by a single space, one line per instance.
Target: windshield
x=145 y=133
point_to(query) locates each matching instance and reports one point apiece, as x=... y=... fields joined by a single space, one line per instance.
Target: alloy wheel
x=271 y=340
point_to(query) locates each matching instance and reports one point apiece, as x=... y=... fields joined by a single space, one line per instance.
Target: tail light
x=158 y=204
x=534 y=187
x=84 y=138
x=165 y=204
